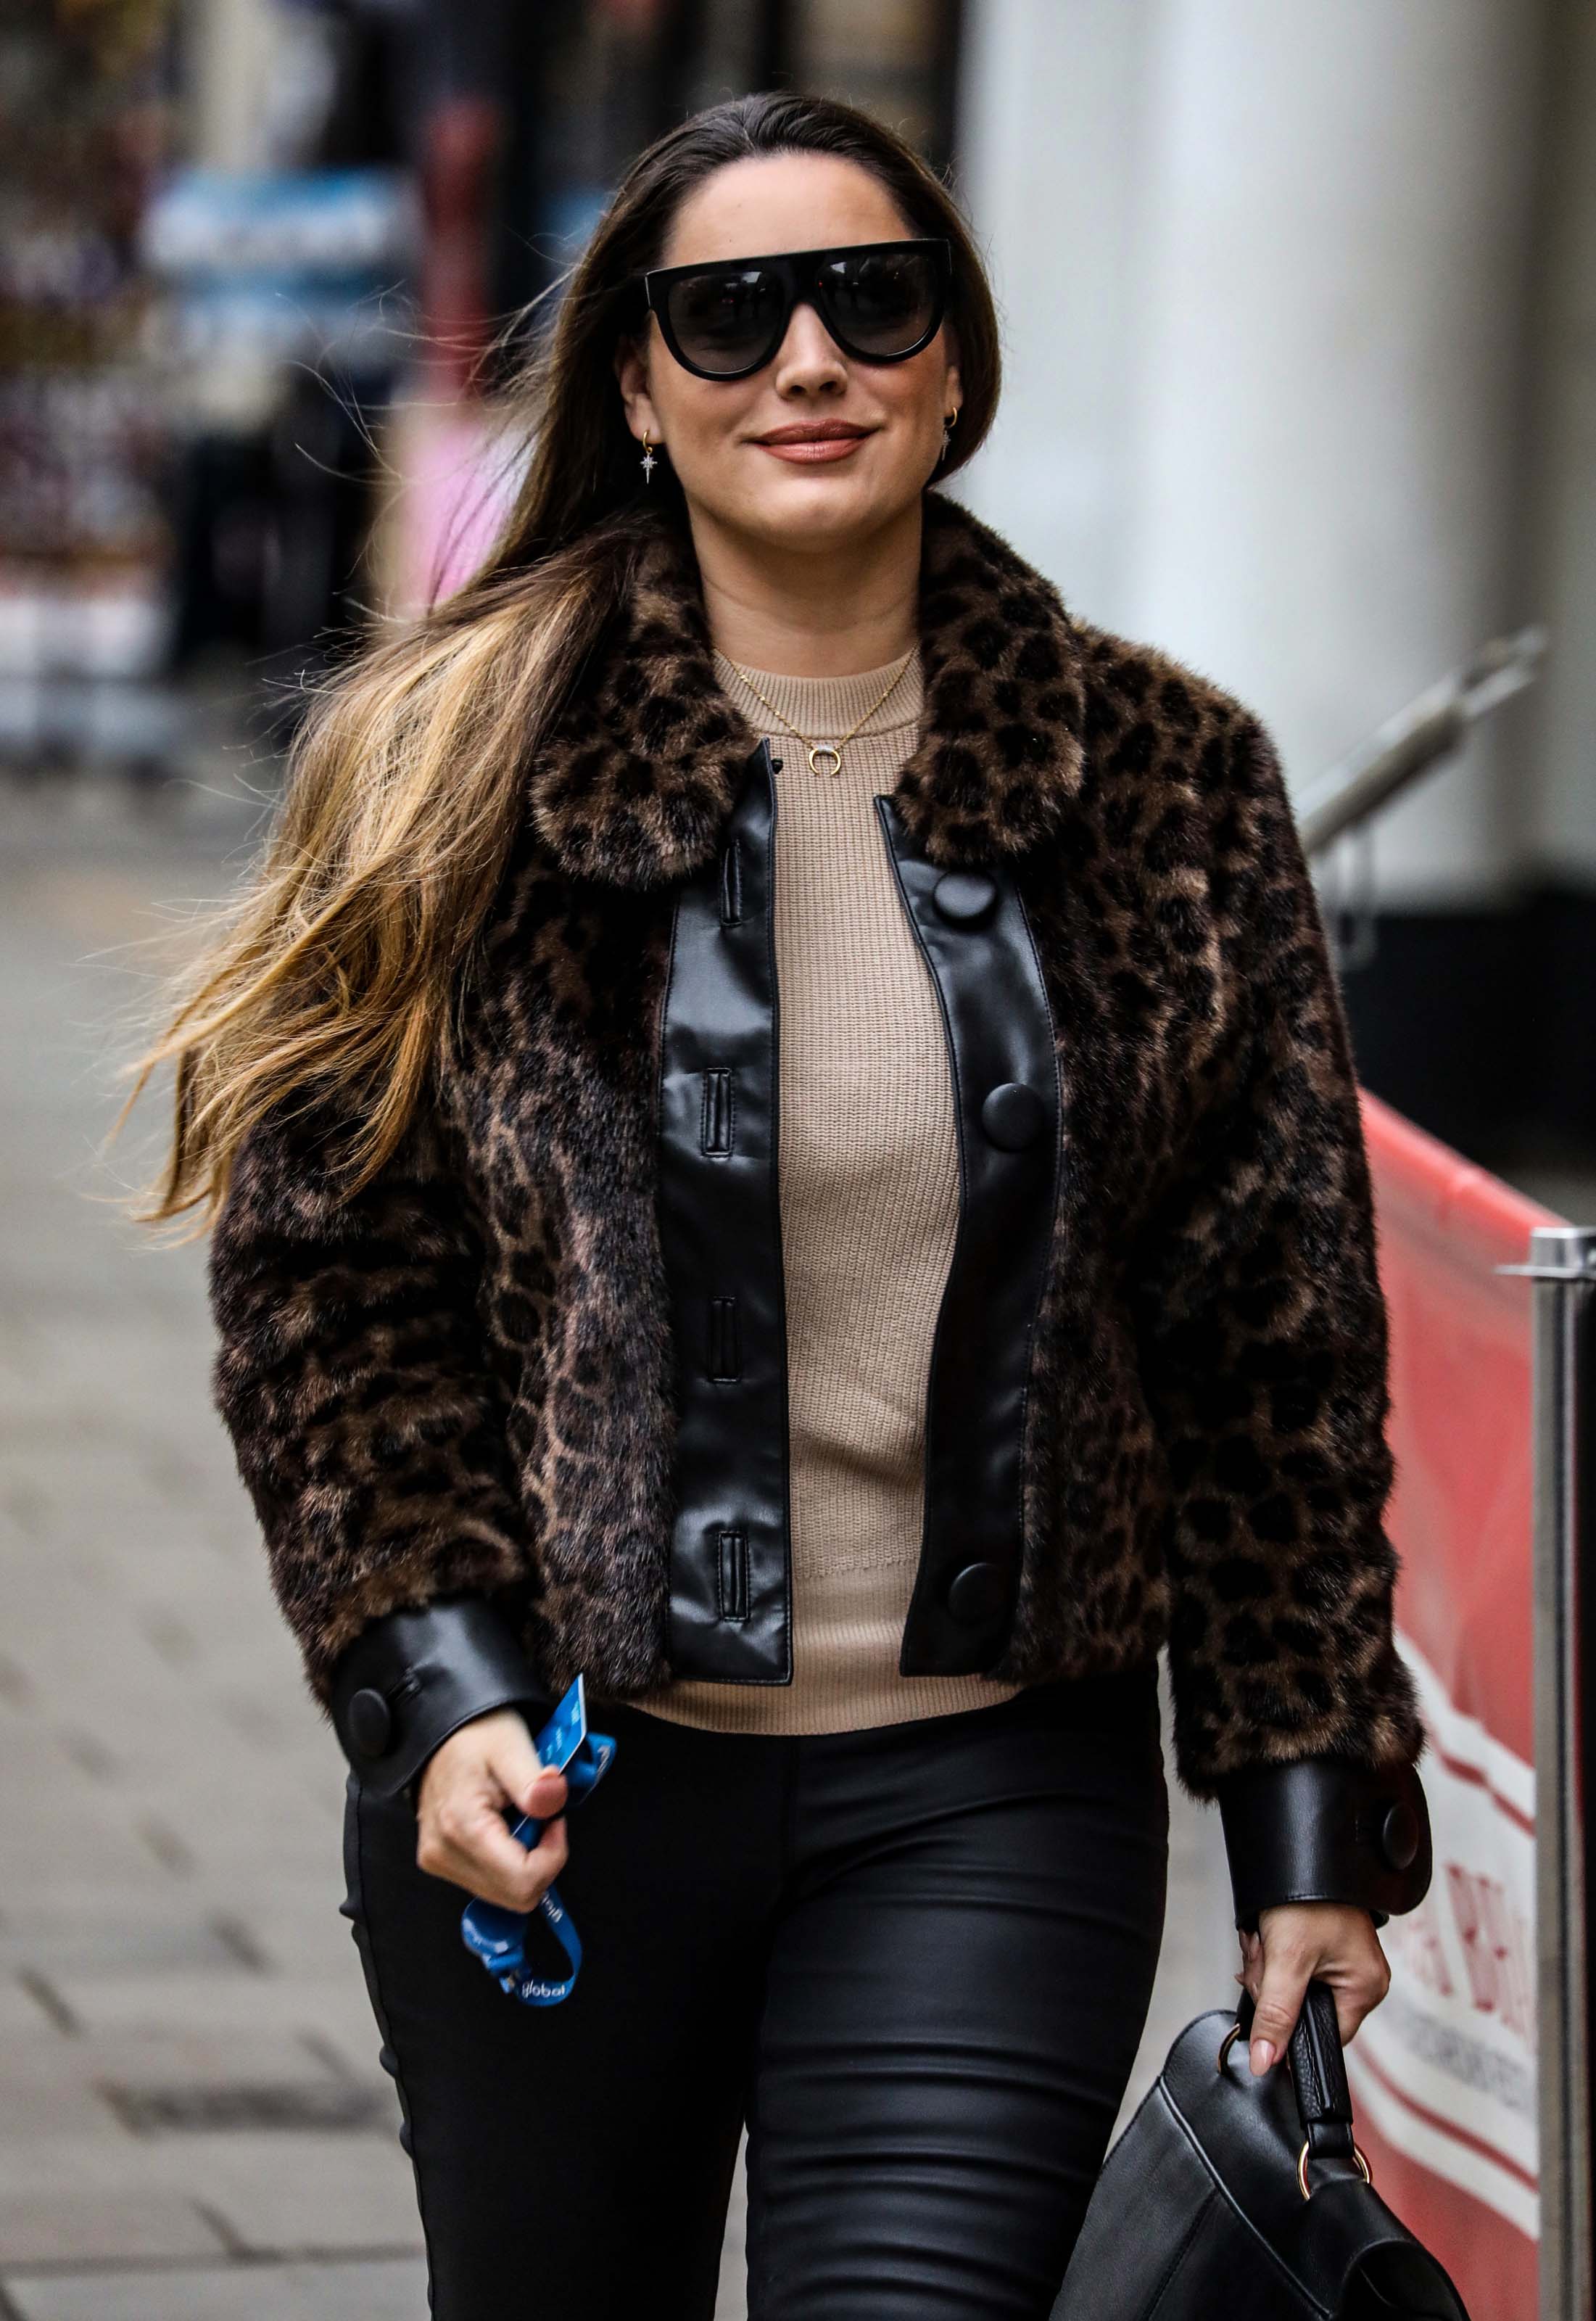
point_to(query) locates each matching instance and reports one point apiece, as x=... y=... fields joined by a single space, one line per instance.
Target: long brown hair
x=334 y=972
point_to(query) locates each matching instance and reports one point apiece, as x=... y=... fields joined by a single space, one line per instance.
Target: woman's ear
x=956 y=392
x=631 y=376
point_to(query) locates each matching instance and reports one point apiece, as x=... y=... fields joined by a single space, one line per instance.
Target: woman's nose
x=809 y=356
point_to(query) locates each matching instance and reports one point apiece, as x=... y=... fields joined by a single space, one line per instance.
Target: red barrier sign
x=1444 y=2073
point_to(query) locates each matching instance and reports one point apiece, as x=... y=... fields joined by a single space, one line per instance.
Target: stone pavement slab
x=301 y=2195
x=394 y=2289
x=90 y=2225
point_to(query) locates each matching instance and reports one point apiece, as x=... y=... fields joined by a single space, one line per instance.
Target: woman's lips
x=807 y=452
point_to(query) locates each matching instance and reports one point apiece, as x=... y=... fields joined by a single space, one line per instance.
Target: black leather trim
x=731 y=1570
x=1326 y=1829
x=413 y=1677
x=977 y=944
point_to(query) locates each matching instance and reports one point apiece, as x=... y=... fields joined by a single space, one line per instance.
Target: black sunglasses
x=882 y=302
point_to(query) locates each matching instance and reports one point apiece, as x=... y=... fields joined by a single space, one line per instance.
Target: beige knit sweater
x=868 y=1179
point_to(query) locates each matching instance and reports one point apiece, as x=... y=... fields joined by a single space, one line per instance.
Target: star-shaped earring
x=649 y=461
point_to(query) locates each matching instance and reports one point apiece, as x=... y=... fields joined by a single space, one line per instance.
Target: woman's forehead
x=771 y=201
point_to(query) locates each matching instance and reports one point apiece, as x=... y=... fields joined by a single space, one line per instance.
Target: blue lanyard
x=497 y=1936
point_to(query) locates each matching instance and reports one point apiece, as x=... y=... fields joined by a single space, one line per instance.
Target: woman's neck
x=812 y=613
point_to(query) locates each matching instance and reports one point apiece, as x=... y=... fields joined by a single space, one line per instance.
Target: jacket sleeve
x=1264 y=1345
x=352 y=1377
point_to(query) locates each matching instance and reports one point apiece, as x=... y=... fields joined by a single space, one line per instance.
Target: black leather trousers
x=916 y=1960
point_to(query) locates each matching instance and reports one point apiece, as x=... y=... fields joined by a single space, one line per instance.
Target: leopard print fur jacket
x=465 y=1380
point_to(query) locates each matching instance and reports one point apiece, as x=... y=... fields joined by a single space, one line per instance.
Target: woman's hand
x=484 y=1766
x=1296 y=1942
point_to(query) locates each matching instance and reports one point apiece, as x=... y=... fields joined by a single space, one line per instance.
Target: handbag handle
x=1319 y=2075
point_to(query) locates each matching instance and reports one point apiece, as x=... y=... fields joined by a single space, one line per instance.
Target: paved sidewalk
x=193 y=2125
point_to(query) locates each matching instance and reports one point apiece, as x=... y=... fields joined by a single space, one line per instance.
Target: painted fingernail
x=1263 y=2055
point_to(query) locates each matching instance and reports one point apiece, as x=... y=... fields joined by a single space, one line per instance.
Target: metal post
x=1563 y=1267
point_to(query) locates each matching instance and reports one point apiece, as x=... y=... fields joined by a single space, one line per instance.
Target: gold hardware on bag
x=1302 y=2168
x=1226 y=2043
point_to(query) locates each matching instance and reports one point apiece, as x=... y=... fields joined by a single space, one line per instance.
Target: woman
x=864 y=1491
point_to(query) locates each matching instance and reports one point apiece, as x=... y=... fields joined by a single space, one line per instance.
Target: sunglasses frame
x=799 y=272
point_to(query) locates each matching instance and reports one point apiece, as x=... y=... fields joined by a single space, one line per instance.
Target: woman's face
x=715 y=432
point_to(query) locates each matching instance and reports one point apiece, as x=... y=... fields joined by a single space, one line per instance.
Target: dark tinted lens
x=726 y=321
x=882 y=301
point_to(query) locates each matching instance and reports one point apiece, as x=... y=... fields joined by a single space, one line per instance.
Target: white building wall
x=1266 y=272
x=1562 y=810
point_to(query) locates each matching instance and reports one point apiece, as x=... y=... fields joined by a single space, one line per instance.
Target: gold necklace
x=832 y=750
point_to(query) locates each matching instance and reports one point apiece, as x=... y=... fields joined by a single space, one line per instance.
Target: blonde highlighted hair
x=335 y=971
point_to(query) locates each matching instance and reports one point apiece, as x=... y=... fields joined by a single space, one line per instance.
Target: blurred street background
x=1299 y=316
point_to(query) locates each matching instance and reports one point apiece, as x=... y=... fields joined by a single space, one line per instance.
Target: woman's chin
x=820 y=511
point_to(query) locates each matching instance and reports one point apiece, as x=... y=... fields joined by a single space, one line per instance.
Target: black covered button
x=370 y=1721
x=964 y=898
x=975 y=1593
x=1399 y=1836
x=1012 y=1116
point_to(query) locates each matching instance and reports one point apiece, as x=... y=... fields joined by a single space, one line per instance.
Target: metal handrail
x=1431 y=728
x=1563 y=1267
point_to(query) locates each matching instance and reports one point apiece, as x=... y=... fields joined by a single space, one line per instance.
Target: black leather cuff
x=413 y=1677
x=1326 y=1829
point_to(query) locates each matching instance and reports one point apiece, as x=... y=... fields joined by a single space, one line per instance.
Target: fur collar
x=644 y=762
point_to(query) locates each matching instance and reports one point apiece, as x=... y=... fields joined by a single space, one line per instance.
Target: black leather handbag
x=1232 y=2195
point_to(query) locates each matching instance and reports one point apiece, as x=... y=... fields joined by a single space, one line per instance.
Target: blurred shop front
x=267 y=263
x=85 y=547
x=206 y=301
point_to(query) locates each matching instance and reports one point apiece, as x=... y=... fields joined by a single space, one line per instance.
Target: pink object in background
x=455 y=476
